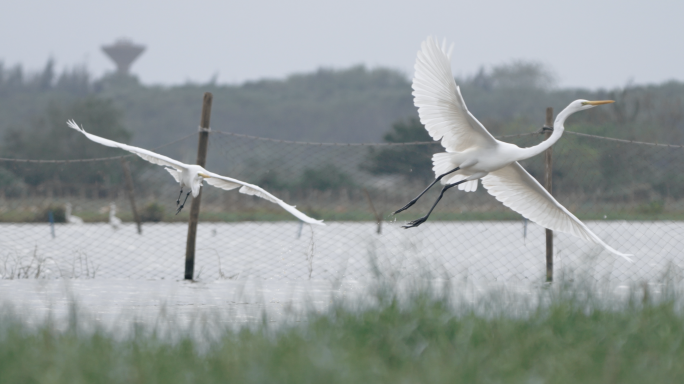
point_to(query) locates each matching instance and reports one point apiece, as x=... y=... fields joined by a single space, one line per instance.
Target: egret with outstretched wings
x=192 y=176
x=473 y=153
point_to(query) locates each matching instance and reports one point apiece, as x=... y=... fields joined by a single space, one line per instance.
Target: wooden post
x=548 y=183
x=195 y=208
x=131 y=194
x=378 y=217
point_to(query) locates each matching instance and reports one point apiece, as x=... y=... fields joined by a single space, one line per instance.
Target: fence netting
x=631 y=195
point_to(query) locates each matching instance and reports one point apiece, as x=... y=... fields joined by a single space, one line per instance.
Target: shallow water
x=112 y=302
x=489 y=251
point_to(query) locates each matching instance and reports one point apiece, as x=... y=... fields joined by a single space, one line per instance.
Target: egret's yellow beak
x=204 y=175
x=599 y=102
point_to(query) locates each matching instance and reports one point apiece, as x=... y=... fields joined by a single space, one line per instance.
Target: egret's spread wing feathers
x=228 y=183
x=521 y=192
x=440 y=105
x=221 y=183
x=150 y=156
x=176 y=167
x=174 y=172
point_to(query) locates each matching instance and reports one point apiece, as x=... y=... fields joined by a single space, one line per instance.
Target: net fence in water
x=631 y=195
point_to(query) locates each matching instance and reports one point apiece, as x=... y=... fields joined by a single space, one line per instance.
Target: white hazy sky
x=587 y=43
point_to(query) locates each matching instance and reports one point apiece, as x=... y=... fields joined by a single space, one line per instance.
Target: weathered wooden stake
x=378 y=217
x=548 y=183
x=195 y=208
x=131 y=194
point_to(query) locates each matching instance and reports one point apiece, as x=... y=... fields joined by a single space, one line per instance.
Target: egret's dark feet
x=183 y=205
x=405 y=207
x=415 y=223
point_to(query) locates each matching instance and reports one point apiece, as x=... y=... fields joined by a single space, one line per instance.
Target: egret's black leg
x=183 y=205
x=420 y=221
x=179 y=195
x=410 y=203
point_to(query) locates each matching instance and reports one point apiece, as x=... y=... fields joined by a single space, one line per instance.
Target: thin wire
x=518 y=135
x=351 y=144
x=94 y=159
x=324 y=144
x=624 y=141
x=329 y=144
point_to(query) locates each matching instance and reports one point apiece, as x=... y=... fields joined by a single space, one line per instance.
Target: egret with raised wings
x=473 y=153
x=192 y=176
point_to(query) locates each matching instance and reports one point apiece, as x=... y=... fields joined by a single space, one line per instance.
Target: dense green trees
x=412 y=161
x=351 y=105
x=46 y=137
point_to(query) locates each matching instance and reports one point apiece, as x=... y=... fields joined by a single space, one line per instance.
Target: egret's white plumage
x=114 y=221
x=478 y=155
x=71 y=219
x=189 y=175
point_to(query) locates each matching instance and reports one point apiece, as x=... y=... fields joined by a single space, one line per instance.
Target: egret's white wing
x=521 y=192
x=175 y=173
x=228 y=183
x=150 y=156
x=440 y=105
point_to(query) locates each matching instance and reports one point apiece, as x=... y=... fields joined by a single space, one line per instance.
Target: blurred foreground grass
x=563 y=335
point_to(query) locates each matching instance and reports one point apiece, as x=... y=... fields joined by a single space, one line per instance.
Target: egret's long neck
x=558 y=129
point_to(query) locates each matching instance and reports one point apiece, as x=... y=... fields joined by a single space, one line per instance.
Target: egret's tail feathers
x=441 y=164
x=468 y=186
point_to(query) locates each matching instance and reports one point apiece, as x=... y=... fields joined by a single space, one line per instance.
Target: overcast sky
x=587 y=43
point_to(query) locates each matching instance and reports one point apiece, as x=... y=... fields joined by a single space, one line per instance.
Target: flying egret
x=114 y=221
x=473 y=153
x=71 y=219
x=189 y=175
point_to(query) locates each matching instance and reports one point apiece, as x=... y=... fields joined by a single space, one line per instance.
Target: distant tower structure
x=123 y=52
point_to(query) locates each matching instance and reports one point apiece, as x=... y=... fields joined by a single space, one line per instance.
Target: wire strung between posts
x=624 y=140
x=350 y=144
x=329 y=144
x=323 y=144
x=94 y=159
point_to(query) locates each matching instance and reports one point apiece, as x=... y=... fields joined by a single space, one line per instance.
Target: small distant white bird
x=188 y=175
x=473 y=153
x=71 y=219
x=114 y=221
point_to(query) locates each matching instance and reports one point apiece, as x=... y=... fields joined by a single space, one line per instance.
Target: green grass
x=425 y=338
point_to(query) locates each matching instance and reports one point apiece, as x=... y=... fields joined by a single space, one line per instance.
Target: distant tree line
x=350 y=105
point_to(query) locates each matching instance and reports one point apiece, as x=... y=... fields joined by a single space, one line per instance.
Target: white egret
x=473 y=153
x=192 y=176
x=71 y=219
x=114 y=221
